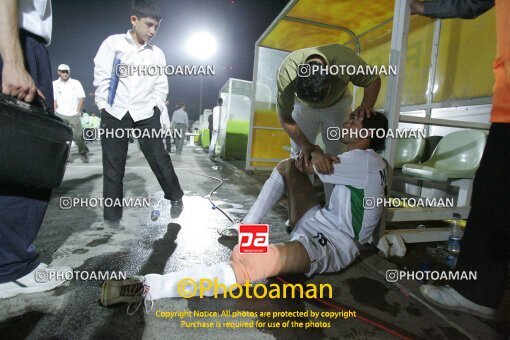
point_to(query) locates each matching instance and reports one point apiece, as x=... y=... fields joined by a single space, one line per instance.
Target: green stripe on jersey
x=357 y=209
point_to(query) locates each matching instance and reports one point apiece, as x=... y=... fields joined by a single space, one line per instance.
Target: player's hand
x=361 y=112
x=16 y=82
x=300 y=164
x=306 y=153
x=334 y=159
x=322 y=162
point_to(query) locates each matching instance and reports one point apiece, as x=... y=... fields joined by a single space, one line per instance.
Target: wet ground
x=77 y=237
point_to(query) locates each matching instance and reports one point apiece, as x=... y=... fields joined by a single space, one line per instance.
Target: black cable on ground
x=214 y=206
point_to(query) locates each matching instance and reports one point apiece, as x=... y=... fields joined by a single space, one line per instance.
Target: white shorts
x=330 y=249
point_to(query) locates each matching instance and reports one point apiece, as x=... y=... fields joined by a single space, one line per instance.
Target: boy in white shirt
x=130 y=101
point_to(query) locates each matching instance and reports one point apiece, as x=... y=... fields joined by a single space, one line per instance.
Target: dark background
x=79 y=28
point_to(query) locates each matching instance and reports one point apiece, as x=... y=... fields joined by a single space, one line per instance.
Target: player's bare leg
x=301 y=195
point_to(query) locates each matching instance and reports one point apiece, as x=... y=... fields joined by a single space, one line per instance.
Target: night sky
x=79 y=28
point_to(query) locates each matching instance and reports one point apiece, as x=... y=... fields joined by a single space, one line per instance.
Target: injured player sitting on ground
x=323 y=240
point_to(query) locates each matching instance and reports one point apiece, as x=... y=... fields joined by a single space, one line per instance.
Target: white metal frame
x=394 y=110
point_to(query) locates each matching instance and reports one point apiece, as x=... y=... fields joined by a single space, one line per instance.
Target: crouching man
x=323 y=240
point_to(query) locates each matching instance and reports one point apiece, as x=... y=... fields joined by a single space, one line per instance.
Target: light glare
x=201 y=45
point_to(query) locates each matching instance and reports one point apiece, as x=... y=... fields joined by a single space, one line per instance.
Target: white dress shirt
x=136 y=93
x=216 y=113
x=164 y=119
x=180 y=117
x=67 y=94
x=35 y=16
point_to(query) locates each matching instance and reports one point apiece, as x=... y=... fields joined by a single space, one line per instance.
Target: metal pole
x=398 y=51
x=200 y=108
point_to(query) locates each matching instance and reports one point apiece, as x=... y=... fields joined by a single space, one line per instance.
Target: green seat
x=457 y=155
x=408 y=150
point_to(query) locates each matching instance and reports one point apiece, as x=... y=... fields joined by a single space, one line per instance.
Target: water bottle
x=156 y=212
x=456 y=233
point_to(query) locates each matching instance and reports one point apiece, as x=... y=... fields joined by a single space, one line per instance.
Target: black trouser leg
x=22 y=209
x=486 y=242
x=114 y=162
x=168 y=141
x=159 y=161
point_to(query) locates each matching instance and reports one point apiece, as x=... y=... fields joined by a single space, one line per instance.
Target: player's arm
x=465 y=9
x=16 y=81
x=350 y=170
x=309 y=168
x=103 y=64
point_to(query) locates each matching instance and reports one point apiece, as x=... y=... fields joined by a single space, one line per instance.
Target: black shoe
x=231 y=230
x=288 y=226
x=84 y=158
x=176 y=208
x=114 y=224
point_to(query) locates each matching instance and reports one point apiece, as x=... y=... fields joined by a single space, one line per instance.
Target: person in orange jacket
x=485 y=247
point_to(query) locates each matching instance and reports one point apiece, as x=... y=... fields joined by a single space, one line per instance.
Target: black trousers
x=486 y=242
x=115 y=154
x=168 y=142
x=22 y=209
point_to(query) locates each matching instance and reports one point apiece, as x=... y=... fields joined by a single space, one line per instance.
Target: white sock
x=165 y=286
x=271 y=192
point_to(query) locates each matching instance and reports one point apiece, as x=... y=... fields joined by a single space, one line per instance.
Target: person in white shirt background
x=216 y=114
x=69 y=97
x=135 y=101
x=180 y=123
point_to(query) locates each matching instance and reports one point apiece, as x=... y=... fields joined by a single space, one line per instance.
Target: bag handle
x=38 y=103
x=41 y=103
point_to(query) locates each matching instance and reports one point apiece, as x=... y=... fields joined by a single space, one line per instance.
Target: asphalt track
x=76 y=237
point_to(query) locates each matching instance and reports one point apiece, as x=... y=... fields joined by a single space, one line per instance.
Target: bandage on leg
x=255 y=267
x=285 y=258
x=294 y=258
x=165 y=286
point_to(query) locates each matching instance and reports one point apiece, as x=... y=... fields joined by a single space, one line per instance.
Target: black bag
x=34 y=144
